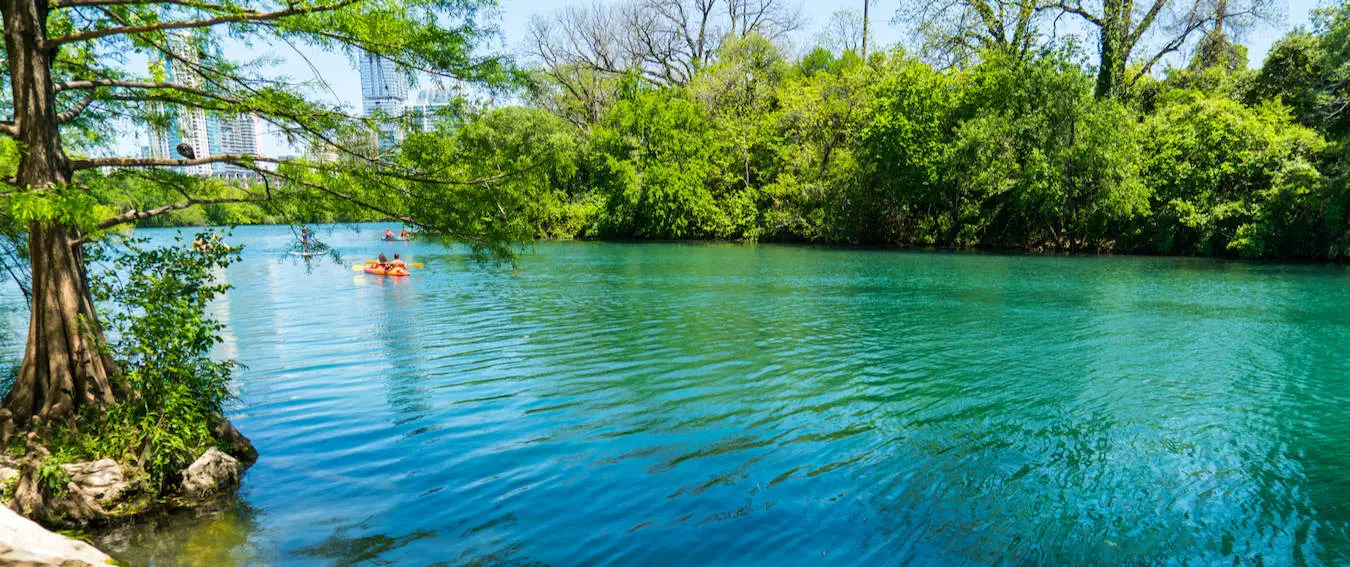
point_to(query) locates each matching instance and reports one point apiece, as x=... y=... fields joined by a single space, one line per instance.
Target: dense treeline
x=1014 y=148
x=989 y=135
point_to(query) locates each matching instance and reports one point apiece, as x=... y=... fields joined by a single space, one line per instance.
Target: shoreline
x=881 y=247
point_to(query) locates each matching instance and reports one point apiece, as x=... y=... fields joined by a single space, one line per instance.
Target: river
x=763 y=405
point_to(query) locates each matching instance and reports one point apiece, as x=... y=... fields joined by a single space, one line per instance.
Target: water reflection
x=216 y=534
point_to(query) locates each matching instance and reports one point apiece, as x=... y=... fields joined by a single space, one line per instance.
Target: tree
x=956 y=31
x=843 y=32
x=866 y=23
x=1124 y=28
x=67 y=81
x=664 y=41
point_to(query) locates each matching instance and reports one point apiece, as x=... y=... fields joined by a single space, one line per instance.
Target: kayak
x=396 y=271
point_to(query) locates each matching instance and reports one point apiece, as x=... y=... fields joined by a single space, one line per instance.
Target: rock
x=102 y=479
x=236 y=444
x=9 y=468
x=210 y=473
x=23 y=543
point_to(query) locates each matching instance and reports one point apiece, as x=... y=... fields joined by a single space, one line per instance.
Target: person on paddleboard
x=388 y=234
x=304 y=239
x=404 y=234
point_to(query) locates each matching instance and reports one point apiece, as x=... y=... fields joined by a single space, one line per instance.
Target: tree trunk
x=1114 y=48
x=64 y=366
x=866 y=4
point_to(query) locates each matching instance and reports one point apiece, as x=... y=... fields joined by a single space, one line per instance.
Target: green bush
x=153 y=302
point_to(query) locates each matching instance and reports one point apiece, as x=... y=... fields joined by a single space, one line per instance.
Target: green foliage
x=1228 y=178
x=1012 y=151
x=656 y=157
x=155 y=303
x=68 y=206
x=530 y=159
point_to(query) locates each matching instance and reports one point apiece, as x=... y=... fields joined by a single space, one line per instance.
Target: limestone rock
x=210 y=473
x=102 y=479
x=23 y=543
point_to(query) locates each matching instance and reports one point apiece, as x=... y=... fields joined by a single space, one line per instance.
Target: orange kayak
x=395 y=271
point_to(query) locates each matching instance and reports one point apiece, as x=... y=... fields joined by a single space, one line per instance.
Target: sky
x=343 y=83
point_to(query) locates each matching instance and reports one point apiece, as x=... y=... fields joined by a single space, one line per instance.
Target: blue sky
x=344 y=84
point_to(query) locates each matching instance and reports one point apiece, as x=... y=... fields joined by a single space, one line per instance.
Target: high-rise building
x=237 y=135
x=384 y=90
x=208 y=134
x=433 y=104
x=187 y=125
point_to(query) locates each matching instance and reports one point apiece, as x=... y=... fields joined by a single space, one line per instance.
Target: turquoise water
x=718 y=404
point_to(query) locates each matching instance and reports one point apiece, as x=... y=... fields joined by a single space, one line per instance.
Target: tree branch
x=237 y=159
x=135 y=215
x=188 y=3
x=74 y=111
x=1075 y=10
x=9 y=129
x=96 y=83
x=161 y=26
x=243 y=160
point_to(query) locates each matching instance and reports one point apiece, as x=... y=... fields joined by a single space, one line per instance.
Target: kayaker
x=388 y=234
x=397 y=263
x=383 y=262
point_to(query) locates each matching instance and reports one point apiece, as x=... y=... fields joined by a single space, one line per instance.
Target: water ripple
x=672 y=404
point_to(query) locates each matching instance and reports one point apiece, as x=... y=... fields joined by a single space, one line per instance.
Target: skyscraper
x=238 y=135
x=207 y=133
x=186 y=124
x=384 y=89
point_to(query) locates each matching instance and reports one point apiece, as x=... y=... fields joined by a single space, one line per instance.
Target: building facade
x=238 y=135
x=208 y=134
x=384 y=91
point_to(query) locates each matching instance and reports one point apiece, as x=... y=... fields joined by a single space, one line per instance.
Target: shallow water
x=673 y=404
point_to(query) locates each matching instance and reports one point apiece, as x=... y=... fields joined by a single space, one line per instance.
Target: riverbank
x=1045 y=251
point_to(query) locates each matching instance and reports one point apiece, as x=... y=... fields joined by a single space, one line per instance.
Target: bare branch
x=1075 y=9
x=9 y=129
